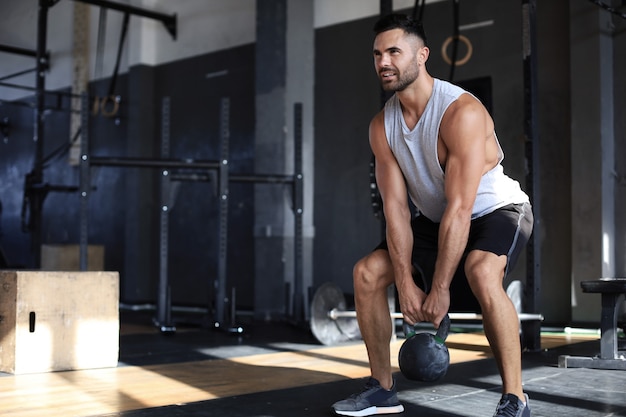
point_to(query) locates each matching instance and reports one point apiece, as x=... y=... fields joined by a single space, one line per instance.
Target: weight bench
x=613 y=291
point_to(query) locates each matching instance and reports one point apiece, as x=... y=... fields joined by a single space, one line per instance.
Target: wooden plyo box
x=67 y=257
x=57 y=321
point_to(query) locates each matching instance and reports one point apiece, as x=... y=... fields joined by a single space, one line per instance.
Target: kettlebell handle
x=442 y=331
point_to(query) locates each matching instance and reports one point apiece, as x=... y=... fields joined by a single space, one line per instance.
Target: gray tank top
x=416 y=153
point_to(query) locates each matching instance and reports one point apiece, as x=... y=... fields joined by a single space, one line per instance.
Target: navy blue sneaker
x=511 y=406
x=373 y=400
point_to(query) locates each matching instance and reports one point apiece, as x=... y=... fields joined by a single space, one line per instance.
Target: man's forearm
x=400 y=245
x=453 y=235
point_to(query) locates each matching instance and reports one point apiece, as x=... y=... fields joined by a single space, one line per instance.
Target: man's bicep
x=465 y=160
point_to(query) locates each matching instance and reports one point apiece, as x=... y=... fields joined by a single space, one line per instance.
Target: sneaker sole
x=372 y=411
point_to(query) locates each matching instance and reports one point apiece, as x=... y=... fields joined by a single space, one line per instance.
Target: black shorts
x=502 y=232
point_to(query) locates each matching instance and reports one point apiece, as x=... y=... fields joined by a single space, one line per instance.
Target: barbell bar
x=332 y=323
x=335 y=313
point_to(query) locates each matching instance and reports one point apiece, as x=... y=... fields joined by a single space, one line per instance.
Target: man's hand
x=411 y=299
x=436 y=306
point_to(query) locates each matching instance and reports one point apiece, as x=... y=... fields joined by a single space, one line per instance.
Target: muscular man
x=435 y=144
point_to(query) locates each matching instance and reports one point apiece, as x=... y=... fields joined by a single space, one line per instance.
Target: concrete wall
x=597 y=187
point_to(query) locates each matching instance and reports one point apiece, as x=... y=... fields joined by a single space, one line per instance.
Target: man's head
x=399 y=51
x=401 y=21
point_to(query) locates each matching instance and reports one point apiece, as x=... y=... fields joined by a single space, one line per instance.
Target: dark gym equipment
x=423 y=356
x=222 y=176
x=613 y=293
x=532 y=330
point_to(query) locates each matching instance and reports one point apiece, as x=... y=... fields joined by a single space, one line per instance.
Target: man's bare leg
x=485 y=272
x=372 y=275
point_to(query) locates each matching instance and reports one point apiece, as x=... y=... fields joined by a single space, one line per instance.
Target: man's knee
x=485 y=272
x=373 y=272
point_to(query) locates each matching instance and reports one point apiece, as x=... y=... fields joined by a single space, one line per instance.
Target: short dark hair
x=400 y=21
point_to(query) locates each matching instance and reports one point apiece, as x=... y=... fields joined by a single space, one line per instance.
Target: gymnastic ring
x=459 y=62
x=113 y=111
x=96 y=106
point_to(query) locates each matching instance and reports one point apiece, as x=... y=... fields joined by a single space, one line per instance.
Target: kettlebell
x=423 y=356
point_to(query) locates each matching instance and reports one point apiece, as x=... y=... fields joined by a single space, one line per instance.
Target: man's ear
x=423 y=54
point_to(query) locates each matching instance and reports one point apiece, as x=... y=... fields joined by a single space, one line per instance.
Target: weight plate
x=328 y=331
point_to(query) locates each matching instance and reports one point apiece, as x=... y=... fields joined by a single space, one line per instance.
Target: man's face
x=395 y=59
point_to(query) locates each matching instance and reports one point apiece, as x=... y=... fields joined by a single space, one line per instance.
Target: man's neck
x=415 y=98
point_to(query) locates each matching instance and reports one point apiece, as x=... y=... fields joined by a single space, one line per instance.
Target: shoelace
x=368 y=386
x=506 y=409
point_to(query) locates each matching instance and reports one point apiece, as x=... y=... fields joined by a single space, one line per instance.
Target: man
x=435 y=144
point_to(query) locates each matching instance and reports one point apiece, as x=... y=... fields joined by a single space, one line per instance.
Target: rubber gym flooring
x=280 y=370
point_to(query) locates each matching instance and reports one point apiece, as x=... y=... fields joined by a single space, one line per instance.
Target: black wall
x=347 y=95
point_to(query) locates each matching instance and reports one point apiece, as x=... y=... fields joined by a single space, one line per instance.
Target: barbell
x=331 y=323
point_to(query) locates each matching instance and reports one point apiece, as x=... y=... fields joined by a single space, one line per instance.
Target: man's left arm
x=463 y=133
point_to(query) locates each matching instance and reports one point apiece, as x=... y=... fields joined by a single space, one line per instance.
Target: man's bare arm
x=393 y=191
x=463 y=133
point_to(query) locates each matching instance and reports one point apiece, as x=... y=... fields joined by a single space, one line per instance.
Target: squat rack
x=218 y=169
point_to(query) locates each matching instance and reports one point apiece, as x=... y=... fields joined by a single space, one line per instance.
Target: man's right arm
x=392 y=187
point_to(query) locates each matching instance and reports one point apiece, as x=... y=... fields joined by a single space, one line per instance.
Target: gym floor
x=280 y=370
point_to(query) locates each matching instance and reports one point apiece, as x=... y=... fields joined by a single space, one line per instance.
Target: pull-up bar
x=18 y=51
x=152 y=163
x=262 y=178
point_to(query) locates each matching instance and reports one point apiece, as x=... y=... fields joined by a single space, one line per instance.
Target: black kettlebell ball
x=425 y=357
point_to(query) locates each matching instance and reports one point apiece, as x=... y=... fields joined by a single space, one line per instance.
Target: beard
x=403 y=79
